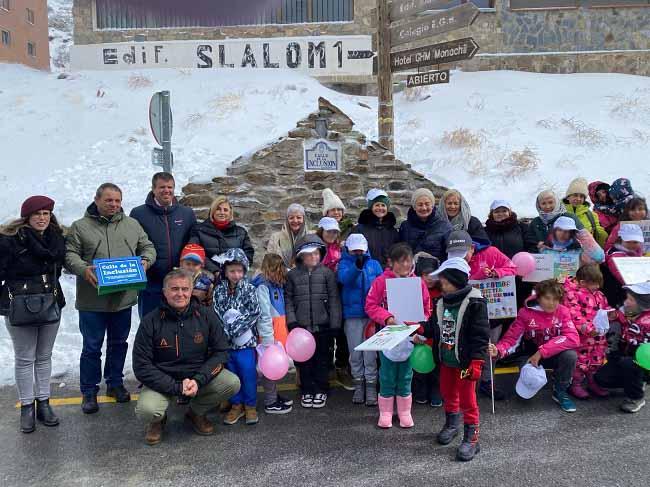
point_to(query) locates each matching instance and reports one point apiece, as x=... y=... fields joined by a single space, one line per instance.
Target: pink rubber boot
x=404 y=411
x=577 y=388
x=385 y=411
x=594 y=388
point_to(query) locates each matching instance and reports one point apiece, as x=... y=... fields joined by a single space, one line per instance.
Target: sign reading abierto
x=317 y=56
x=431 y=25
x=446 y=52
x=429 y=78
x=322 y=155
x=119 y=274
x=400 y=9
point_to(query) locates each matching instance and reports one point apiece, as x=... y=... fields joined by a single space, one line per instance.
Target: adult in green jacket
x=576 y=204
x=104 y=232
x=549 y=209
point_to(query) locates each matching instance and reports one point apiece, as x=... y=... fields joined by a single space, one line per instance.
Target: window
x=4 y=4
x=31 y=49
x=126 y=14
x=30 y=16
x=6 y=38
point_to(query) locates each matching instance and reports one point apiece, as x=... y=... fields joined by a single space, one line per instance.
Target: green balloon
x=642 y=356
x=421 y=359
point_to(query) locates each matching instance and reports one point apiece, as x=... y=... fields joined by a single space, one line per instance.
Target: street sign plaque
x=428 y=78
x=434 y=24
x=401 y=9
x=445 y=52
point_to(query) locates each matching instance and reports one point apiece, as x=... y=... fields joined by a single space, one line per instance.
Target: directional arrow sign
x=360 y=54
x=446 y=52
x=431 y=25
x=429 y=78
x=400 y=9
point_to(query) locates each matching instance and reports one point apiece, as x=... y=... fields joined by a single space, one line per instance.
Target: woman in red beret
x=32 y=250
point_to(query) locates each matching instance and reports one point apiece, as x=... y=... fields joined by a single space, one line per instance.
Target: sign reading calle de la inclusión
x=446 y=52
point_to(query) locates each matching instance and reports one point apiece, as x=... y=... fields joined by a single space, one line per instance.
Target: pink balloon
x=300 y=345
x=274 y=363
x=525 y=263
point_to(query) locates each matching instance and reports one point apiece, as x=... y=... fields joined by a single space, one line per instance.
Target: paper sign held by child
x=634 y=270
x=554 y=265
x=501 y=296
x=404 y=296
x=387 y=338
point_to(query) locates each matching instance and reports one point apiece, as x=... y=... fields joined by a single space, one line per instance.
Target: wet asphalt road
x=524 y=444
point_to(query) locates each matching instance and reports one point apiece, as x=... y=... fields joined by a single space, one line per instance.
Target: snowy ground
x=491 y=134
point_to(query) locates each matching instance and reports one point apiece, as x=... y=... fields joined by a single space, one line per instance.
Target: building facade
x=24 y=33
x=330 y=39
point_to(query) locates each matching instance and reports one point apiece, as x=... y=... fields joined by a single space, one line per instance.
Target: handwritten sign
x=554 y=265
x=119 y=274
x=634 y=270
x=501 y=296
x=387 y=338
x=645 y=227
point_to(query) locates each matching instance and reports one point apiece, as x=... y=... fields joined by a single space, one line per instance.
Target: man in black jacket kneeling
x=180 y=350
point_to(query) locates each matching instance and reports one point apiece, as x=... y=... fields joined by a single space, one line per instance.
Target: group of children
x=337 y=278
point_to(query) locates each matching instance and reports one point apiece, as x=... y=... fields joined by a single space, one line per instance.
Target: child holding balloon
x=395 y=373
x=460 y=330
x=628 y=362
x=272 y=323
x=236 y=304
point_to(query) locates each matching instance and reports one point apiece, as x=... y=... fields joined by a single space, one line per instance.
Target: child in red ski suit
x=583 y=298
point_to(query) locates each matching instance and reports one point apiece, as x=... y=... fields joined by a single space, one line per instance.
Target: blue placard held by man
x=119 y=274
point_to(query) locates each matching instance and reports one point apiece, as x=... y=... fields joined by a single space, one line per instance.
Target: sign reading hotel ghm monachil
x=446 y=52
x=322 y=155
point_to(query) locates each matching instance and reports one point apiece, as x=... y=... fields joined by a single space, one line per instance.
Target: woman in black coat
x=219 y=233
x=504 y=230
x=32 y=250
x=377 y=224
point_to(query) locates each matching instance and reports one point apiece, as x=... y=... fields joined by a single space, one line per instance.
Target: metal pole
x=385 y=122
x=166 y=132
x=491 y=379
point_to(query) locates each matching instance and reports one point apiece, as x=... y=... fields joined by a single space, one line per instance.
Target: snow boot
x=594 y=388
x=385 y=411
x=45 y=414
x=358 y=397
x=450 y=430
x=578 y=390
x=404 y=411
x=371 y=394
x=27 y=418
x=469 y=446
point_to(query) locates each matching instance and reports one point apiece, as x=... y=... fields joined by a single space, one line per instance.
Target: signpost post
x=160 y=119
x=451 y=17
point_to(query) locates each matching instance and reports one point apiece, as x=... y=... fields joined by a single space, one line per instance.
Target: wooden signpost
x=451 y=17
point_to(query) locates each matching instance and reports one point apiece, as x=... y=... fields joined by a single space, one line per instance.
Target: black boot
x=45 y=414
x=27 y=421
x=470 y=446
x=89 y=403
x=119 y=393
x=450 y=430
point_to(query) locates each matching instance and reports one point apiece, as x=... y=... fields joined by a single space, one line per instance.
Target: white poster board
x=404 y=297
x=387 y=338
x=645 y=227
x=634 y=270
x=501 y=296
x=543 y=268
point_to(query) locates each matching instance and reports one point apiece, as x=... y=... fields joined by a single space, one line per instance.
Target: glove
x=359 y=262
x=473 y=372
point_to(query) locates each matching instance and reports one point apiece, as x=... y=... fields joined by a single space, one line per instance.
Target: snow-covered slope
x=60 y=23
x=491 y=134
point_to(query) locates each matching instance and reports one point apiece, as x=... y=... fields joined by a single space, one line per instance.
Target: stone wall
x=262 y=185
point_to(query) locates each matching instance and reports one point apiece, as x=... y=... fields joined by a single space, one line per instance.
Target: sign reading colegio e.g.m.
x=317 y=56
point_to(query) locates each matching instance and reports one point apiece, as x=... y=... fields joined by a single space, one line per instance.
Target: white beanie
x=422 y=193
x=331 y=201
x=578 y=186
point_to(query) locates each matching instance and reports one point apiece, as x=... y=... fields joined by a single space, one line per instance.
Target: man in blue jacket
x=168 y=225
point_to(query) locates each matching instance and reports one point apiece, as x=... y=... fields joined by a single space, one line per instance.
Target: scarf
x=502 y=226
x=559 y=209
x=220 y=225
x=562 y=246
x=460 y=221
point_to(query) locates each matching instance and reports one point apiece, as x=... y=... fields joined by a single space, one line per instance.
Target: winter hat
x=621 y=192
x=500 y=204
x=565 y=223
x=558 y=210
x=296 y=208
x=458 y=244
x=327 y=224
x=456 y=270
x=422 y=193
x=356 y=241
x=232 y=256
x=193 y=252
x=630 y=232
x=578 y=186
x=36 y=203
x=425 y=263
x=331 y=201
x=376 y=195
x=202 y=283
x=531 y=380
